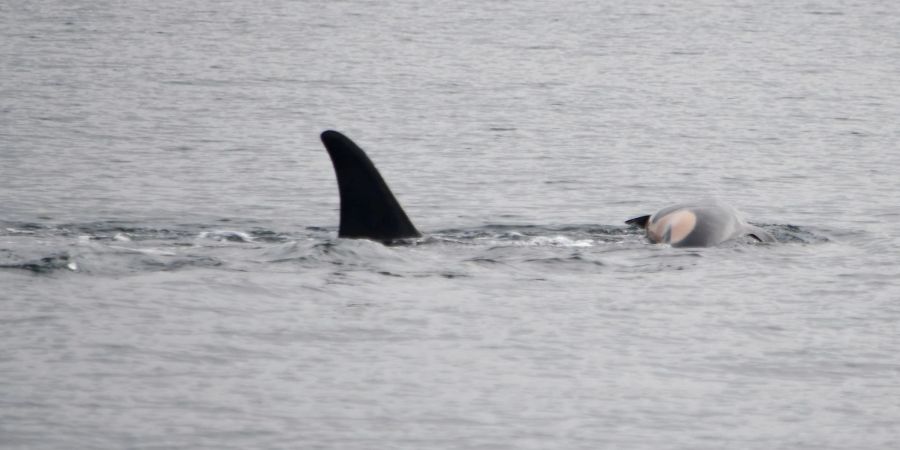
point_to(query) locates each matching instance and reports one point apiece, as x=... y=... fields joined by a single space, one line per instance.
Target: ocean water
x=170 y=275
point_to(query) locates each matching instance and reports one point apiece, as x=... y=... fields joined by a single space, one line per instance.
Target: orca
x=700 y=224
x=369 y=209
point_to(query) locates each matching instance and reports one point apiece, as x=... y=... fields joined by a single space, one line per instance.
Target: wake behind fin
x=639 y=221
x=368 y=208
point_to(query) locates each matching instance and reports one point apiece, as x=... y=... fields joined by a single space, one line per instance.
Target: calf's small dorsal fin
x=760 y=234
x=368 y=208
x=639 y=221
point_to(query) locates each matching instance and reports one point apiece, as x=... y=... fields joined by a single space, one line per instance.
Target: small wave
x=102 y=230
x=46 y=264
x=144 y=251
x=560 y=241
x=269 y=236
x=557 y=260
x=112 y=230
x=786 y=233
x=533 y=235
x=15 y=231
x=226 y=236
x=177 y=263
x=349 y=254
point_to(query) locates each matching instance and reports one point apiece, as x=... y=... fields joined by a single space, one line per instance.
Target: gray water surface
x=170 y=275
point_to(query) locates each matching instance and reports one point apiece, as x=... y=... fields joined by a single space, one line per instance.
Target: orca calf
x=370 y=211
x=368 y=208
x=702 y=224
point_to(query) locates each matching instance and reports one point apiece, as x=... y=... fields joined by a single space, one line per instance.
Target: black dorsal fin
x=639 y=221
x=368 y=208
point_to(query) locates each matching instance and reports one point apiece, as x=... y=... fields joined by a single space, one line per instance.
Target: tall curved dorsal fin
x=368 y=208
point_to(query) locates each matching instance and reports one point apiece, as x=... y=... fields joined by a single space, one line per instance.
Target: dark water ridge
x=109 y=247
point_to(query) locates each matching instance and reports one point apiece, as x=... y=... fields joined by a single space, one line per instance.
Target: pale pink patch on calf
x=681 y=223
